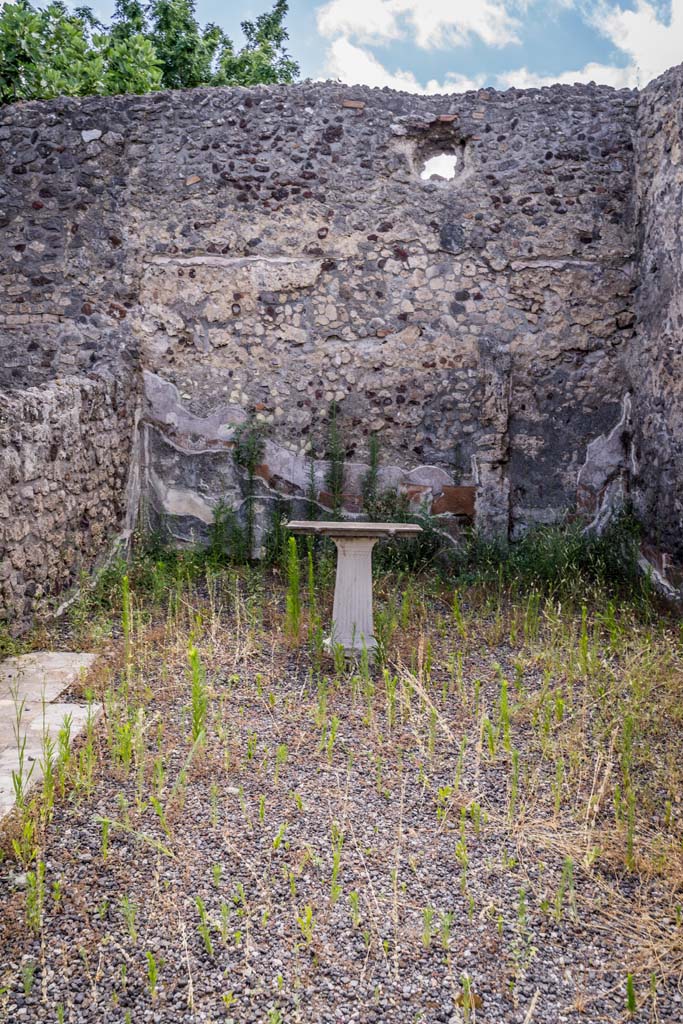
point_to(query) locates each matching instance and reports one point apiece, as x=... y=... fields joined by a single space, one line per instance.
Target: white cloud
x=366 y=20
x=603 y=74
x=429 y=23
x=653 y=43
x=650 y=37
x=354 y=65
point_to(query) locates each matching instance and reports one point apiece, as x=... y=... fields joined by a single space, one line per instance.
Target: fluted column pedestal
x=352 y=623
x=352 y=627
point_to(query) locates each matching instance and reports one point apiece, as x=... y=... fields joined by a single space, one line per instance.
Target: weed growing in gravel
x=152 y=974
x=427 y=926
x=306 y=923
x=21 y=778
x=565 y=890
x=105 y=825
x=204 y=927
x=28 y=974
x=354 y=904
x=337 y=844
x=514 y=786
x=129 y=910
x=293 y=598
x=631 y=1002
x=281 y=755
x=523 y=951
x=35 y=896
x=199 y=696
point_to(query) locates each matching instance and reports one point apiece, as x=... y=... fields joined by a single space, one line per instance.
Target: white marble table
x=353 y=626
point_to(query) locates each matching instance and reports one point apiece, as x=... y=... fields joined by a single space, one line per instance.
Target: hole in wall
x=441 y=165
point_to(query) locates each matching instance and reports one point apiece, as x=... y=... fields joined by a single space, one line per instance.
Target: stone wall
x=655 y=356
x=274 y=251
x=65 y=455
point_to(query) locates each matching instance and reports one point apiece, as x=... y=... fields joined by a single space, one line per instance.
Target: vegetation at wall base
x=561 y=562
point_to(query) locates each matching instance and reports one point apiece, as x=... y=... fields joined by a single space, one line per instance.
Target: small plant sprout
x=224 y=922
x=199 y=695
x=354 y=903
x=280 y=759
x=467 y=999
x=204 y=927
x=332 y=731
x=57 y=892
x=105 y=824
x=523 y=951
x=443 y=800
x=458 y=616
x=565 y=890
x=28 y=973
x=427 y=926
x=505 y=714
x=514 y=785
x=558 y=785
x=631 y=1002
x=21 y=778
x=337 y=844
x=306 y=923
x=293 y=598
x=127 y=629
x=35 y=896
x=280 y=835
x=445 y=924
x=129 y=911
x=152 y=974
x=390 y=685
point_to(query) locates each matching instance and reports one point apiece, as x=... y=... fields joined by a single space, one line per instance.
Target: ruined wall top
x=277 y=250
x=91 y=186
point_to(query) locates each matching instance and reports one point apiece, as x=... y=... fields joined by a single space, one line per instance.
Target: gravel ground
x=449 y=899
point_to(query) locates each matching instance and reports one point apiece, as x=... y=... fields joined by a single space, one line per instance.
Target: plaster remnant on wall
x=601 y=482
x=180 y=501
x=163 y=406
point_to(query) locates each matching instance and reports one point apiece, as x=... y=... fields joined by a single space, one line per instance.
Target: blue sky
x=452 y=45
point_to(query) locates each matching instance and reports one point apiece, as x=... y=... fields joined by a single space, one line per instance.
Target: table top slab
x=353 y=529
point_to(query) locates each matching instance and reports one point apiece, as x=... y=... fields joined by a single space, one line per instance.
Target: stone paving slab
x=34 y=683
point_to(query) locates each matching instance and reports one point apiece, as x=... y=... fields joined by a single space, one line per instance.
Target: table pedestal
x=353 y=626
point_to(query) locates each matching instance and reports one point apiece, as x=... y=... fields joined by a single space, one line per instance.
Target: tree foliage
x=52 y=51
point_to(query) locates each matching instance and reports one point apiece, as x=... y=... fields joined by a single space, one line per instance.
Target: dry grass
x=510 y=746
